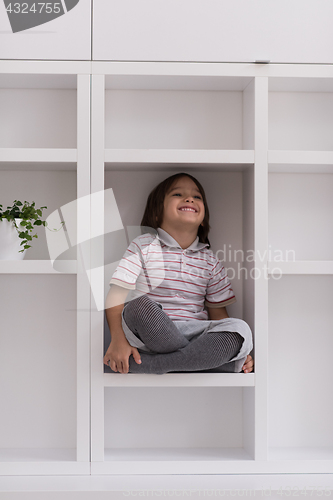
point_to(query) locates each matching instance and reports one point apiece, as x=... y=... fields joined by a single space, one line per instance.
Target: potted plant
x=17 y=228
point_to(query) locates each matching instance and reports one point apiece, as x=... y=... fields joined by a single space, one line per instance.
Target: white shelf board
x=301 y=84
x=175 y=69
x=38 y=155
x=35 y=81
x=140 y=157
x=283 y=77
x=295 y=168
x=209 y=461
x=173 y=461
x=300 y=267
x=41 y=461
x=62 y=72
x=175 y=454
x=179 y=380
x=37 y=267
x=304 y=453
x=34 y=166
x=37 y=454
x=300 y=161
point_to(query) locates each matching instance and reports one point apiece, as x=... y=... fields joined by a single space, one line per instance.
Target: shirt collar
x=171 y=242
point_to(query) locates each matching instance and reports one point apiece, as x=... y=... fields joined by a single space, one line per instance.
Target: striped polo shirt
x=183 y=281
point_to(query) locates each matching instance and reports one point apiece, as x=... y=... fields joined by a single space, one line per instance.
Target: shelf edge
x=300 y=267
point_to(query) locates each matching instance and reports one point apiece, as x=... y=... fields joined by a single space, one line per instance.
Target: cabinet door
x=214 y=30
x=58 y=30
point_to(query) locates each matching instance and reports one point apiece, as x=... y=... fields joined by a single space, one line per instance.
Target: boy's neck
x=183 y=238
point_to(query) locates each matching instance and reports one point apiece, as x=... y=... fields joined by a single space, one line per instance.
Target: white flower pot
x=10 y=243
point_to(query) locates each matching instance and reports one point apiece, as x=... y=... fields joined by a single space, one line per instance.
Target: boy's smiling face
x=183 y=206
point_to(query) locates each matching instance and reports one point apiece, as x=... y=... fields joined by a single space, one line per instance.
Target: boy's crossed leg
x=146 y=319
x=171 y=350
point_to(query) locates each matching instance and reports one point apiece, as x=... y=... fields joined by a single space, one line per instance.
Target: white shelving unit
x=244 y=131
x=45 y=310
x=259 y=139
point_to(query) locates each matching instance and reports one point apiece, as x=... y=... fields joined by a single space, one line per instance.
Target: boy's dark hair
x=155 y=205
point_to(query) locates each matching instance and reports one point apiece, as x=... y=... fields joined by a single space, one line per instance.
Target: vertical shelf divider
x=261 y=281
x=97 y=279
x=83 y=288
x=248 y=245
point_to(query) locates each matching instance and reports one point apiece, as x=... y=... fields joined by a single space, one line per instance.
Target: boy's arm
x=119 y=349
x=216 y=313
x=114 y=306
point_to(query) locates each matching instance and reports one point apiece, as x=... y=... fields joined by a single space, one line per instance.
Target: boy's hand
x=248 y=365
x=118 y=353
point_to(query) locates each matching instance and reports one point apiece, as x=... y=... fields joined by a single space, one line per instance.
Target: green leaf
x=38 y=223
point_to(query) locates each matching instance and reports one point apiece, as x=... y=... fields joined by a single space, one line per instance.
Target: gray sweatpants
x=177 y=346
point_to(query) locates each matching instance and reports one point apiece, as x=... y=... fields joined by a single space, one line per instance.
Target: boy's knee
x=237 y=340
x=242 y=326
x=139 y=306
x=138 y=301
x=239 y=321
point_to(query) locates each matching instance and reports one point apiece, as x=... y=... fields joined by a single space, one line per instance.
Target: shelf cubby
x=300 y=114
x=49 y=101
x=166 y=442
x=300 y=344
x=299 y=214
x=224 y=187
x=38 y=358
x=183 y=113
x=50 y=188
